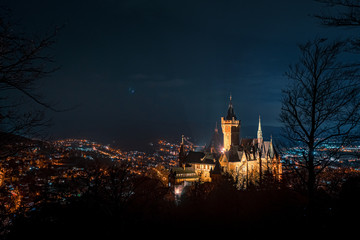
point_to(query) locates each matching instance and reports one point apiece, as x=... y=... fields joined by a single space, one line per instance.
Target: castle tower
x=230 y=128
x=259 y=133
x=182 y=153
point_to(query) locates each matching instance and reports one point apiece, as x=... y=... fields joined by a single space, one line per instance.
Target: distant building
x=184 y=174
x=215 y=145
x=246 y=160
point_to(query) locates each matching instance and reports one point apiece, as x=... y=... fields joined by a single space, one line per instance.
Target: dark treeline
x=119 y=203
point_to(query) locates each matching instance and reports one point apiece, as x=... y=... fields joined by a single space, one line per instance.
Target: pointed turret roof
x=182 y=153
x=259 y=128
x=259 y=132
x=217 y=168
x=215 y=144
x=230 y=112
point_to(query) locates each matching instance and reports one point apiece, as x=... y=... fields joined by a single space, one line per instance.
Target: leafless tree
x=320 y=104
x=344 y=14
x=340 y=13
x=24 y=60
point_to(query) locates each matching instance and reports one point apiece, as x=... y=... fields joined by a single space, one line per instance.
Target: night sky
x=137 y=70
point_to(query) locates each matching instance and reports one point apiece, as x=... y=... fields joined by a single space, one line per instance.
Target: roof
x=247 y=143
x=234 y=155
x=251 y=149
x=215 y=144
x=208 y=158
x=194 y=157
x=230 y=113
x=199 y=157
x=217 y=168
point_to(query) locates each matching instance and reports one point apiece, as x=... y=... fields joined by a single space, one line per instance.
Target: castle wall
x=231 y=132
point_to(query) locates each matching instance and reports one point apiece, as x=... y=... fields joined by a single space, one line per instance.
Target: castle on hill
x=247 y=160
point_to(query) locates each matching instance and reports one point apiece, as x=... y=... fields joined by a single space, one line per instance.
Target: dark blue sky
x=137 y=70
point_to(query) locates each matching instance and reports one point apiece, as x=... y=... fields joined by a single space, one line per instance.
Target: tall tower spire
x=230 y=128
x=259 y=133
x=230 y=113
x=182 y=152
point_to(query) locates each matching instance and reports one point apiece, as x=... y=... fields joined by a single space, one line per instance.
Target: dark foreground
x=204 y=210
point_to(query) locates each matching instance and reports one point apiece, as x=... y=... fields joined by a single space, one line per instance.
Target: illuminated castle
x=248 y=161
x=230 y=128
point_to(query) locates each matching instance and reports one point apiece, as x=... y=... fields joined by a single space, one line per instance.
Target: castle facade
x=247 y=160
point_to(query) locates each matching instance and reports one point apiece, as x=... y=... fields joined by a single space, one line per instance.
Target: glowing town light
x=178 y=190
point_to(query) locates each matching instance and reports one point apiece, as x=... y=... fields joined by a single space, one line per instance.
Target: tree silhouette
x=320 y=104
x=24 y=60
x=341 y=13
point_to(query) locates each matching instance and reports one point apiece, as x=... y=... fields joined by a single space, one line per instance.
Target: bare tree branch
x=322 y=103
x=24 y=59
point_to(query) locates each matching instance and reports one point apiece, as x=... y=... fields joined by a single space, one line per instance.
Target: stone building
x=248 y=161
